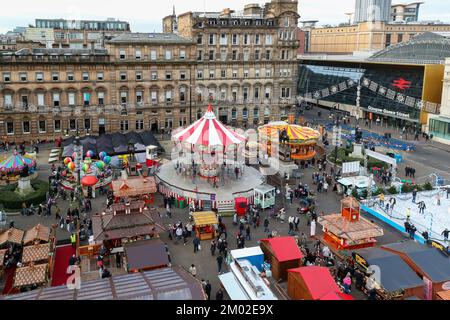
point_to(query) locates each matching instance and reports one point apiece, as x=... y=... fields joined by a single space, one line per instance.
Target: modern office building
x=372 y=10
x=244 y=64
x=408 y=12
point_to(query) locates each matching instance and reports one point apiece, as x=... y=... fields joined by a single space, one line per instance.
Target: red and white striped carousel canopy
x=209 y=132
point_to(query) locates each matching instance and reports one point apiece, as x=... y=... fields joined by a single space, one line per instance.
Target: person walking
x=193 y=270
x=414 y=195
x=73 y=240
x=438 y=199
x=347 y=283
x=208 y=289
x=219 y=263
x=247 y=233
x=291 y=228
x=219 y=294
x=313 y=228
x=266 y=225
x=412 y=231
x=296 y=222
x=196 y=243
x=213 y=247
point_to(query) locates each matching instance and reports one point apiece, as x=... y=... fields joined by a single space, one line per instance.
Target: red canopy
x=89 y=181
x=318 y=280
x=284 y=248
x=336 y=296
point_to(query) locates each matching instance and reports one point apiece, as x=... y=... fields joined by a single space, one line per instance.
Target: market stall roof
x=337 y=296
x=2 y=256
x=205 y=218
x=358 y=181
x=284 y=248
x=246 y=252
x=110 y=226
x=34 y=274
x=16 y=162
x=35 y=253
x=318 y=280
x=209 y=132
x=350 y=230
x=37 y=233
x=350 y=202
x=104 y=143
x=134 y=186
x=433 y=263
x=161 y=284
x=264 y=188
x=146 y=254
x=11 y=235
x=396 y=274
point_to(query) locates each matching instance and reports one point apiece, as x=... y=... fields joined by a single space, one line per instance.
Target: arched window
x=245 y=113
x=199 y=114
x=233 y=114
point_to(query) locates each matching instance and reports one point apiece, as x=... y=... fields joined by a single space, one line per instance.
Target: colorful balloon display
x=85 y=167
x=107 y=159
x=100 y=165
x=89 y=154
x=102 y=155
x=71 y=166
x=67 y=160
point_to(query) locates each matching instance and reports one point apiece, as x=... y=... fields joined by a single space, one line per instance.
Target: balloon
x=87 y=160
x=67 y=160
x=71 y=166
x=102 y=155
x=85 y=167
x=100 y=165
x=89 y=154
x=107 y=159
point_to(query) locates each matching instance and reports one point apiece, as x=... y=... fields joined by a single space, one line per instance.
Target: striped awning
x=296 y=133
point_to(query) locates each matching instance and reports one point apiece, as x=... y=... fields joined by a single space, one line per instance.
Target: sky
x=146 y=15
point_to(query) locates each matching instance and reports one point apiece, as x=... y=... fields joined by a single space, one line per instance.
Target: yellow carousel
x=294 y=142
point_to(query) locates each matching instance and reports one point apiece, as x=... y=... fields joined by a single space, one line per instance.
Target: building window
x=199 y=74
x=23 y=77
x=101 y=98
x=154 y=97
x=257 y=39
x=169 y=96
x=154 y=75
x=245 y=94
x=86 y=98
x=56 y=99
x=211 y=74
x=122 y=55
x=138 y=75
x=70 y=77
x=256 y=73
x=7 y=100
x=9 y=127
x=182 y=54
x=268 y=73
x=138 y=54
x=85 y=76
x=223 y=94
x=168 y=76
x=246 y=73
x=153 y=55
x=223 y=73
x=223 y=39
x=257 y=55
x=123 y=97
x=42 y=126
x=269 y=39
x=6 y=77
x=41 y=99
x=285 y=93
x=267 y=93
x=256 y=93
x=72 y=125
x=87 y=124
x=212 y=39
x=234 y=55
x=55 y=76
x=199 y=39
x=234 y=92
x=245 y=113
x=256 y=113
x=71 y=99
x=235 y=74
x=139 y=124
x=246 y=55
x=233 y=114
x=267 y=54
x=124 y=125
x=199 y=55
x=211 y=55
x=139 y=97
x=400 y=37
x=39 y=76
x=123 y=76
x=234 y=39
x=246 y=39
x=26 y=127
x=182 y=75
x=388 y=39
x=182 y=94
x=168 y=55
x=57 y=125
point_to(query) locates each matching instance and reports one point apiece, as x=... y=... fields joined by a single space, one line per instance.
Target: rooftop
x=150 y=38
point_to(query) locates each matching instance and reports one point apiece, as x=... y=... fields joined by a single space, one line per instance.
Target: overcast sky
x=146 y=15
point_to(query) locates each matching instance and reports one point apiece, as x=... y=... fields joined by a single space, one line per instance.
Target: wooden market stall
x=313 y=283
x=348 y=230
x=282 y=254
x=36 y=235
x=11 y=236
x=429 y=263
x=145 y=255
x=264 y=196
x=205 y=223
x=443 y=295
x=393 y=278
x=138 y=188
x=36 y=253
x=32 y=276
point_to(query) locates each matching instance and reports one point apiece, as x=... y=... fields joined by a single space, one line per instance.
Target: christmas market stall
x=205 y=223
x=429 y=263
x=145 y=255
x=37 y=235
x=349 y=230
x=313 y=283
x=387 y=274
x=12 y=237
x=138 y=188
x=282 y=254
x=31 y=277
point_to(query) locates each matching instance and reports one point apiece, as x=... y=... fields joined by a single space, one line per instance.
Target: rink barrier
x=393 y=224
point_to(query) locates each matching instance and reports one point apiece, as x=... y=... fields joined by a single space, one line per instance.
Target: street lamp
x=78 y=155
x=336 y=139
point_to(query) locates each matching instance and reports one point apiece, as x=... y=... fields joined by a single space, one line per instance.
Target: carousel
x=12 y=166
x=94 y=173
x=294 y=142
x=207 y=157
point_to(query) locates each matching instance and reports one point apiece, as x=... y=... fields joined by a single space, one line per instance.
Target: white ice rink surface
x=435 y=219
